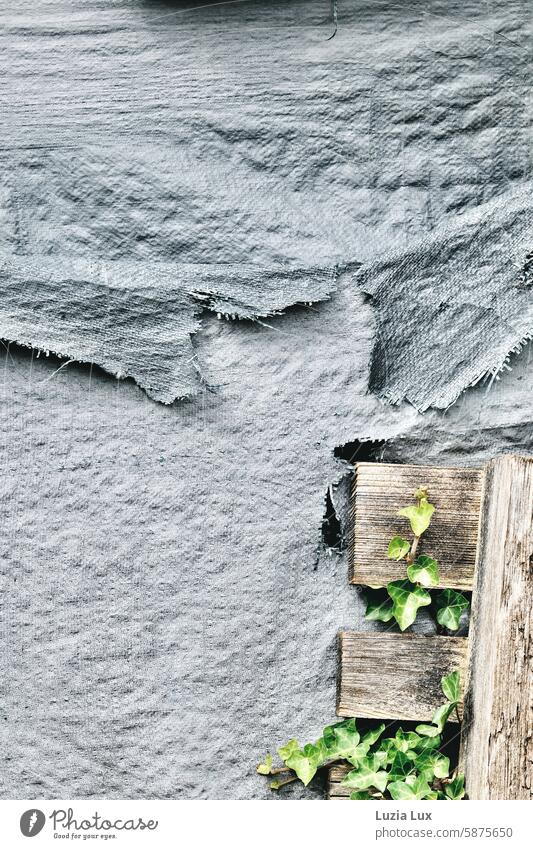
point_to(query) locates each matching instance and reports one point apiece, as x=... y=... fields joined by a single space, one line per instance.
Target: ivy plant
x=401 y=600
x=408 y=765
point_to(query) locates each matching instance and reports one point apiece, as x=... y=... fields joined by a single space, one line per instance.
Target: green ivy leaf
x=442 y=714
x=404 y=741
x=264 y=768
x=304 y=767
x=424 y=571
x=407 y=598
x=360 y=794
x=401 y=766
x=398 y=548
x=367 y=741
x=439 y=720
x=304 y=763
x=456 y=788
x=341 y=740
x=373 y=735
x=369 y=773
x=433 y=765
x=287 y=750
x=441 y=766
x=451 y=686
x=450 y=606
x=417 y=789
x=419 y=516
x=378 y=609
x=428 y=744
x=427 y=730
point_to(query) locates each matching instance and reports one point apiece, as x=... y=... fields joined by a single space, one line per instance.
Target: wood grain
x=498 y=722
x=379 y=490
x=335 y=788
x=395 y=676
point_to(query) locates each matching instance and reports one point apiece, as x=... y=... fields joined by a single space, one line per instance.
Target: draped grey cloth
x=168 y=608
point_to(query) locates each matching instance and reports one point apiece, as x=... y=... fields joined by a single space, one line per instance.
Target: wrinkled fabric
x=466 y=304
x=168 y=606
x=239 y=142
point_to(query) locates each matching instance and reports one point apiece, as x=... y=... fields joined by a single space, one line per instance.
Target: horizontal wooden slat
x=395 y=676
x=335 y=788
x=380 y=490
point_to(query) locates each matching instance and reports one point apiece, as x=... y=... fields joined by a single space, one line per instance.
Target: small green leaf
x=398 y=548
x=410 y=789
x=305 y=766
x=427 y=730
x=433 y=765
x=286 y=751
x=369 y=773
x=441 y=766
x=407 y=598
x=399 y=790
x=360 y=794
x=379 y=610
x=264 y=769
x=303 y=762
x=428 y=744
x=450 y=606
x=424 y=571
x=419 y=516
x=278 y=783
x=400 y=767
x=373 y=735
x=439 y=720
x=451 y=686
x=456 y=788
x=344 y=740
x=441 y=715
x=404 y=741
x=361 y=750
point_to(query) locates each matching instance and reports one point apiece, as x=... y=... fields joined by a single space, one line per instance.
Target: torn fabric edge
x=137 y=319
x=454 y=306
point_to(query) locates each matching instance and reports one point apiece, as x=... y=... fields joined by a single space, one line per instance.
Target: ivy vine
x=401 y=600
x=409 y=765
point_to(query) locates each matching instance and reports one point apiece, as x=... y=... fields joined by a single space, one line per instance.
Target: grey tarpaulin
x=147 y=133
x=134 y=319
x=168 y=608
x=453 y=306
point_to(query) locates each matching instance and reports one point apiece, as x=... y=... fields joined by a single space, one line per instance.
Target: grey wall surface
x=169 y=609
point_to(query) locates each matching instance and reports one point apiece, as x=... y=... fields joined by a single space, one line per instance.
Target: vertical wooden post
x=497 y=740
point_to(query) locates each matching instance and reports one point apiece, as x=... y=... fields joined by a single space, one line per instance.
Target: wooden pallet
x=482 y=536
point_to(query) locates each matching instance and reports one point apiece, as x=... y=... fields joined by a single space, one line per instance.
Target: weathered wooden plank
x=498 y=722
x=335 y=789
x=380 y=490
x=395 y=676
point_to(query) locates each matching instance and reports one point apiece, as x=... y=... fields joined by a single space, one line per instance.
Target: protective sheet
x=452 y=307
x=168 y=609
x=239 y=143
x=134 y=319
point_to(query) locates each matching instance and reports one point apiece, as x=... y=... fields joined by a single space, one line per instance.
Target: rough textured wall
x=168 y=607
